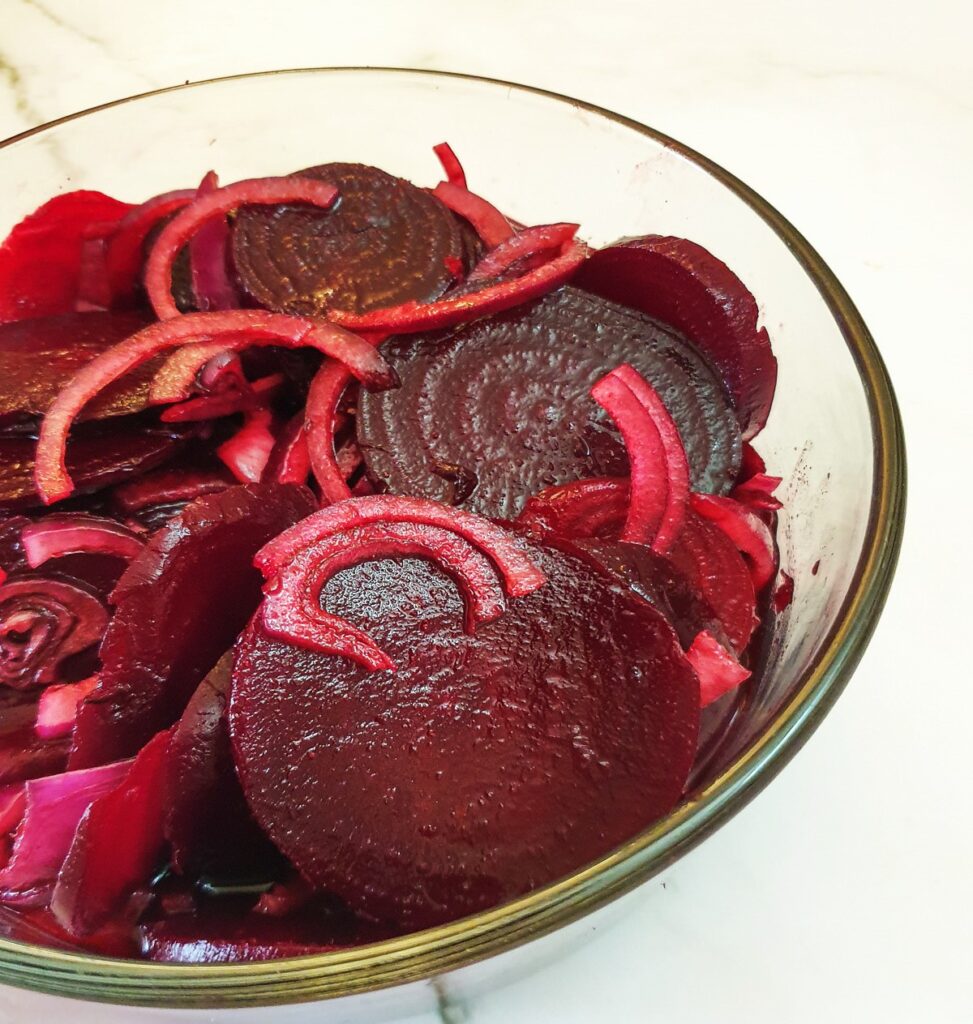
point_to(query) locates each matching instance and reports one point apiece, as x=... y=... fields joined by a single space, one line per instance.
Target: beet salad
x=367 y=558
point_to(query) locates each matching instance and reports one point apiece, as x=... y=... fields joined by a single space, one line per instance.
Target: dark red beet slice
x=40 y=261
x=179 y=606
x=499 y=410
x=165 y=486
x=682 y=284
x=45 y=620
x=215 y=938
x=96 y=458
x=488 y=764
x=655 y=578
x=384 y=243
x=38 y=357
x=712 y=564
x=208 y=821
x=117 y=846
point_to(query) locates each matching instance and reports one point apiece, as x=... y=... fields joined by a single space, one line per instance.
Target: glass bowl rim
x=422 y=955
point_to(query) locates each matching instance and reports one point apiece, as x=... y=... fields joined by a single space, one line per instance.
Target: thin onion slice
x=261 y=328
x=209 y=407
x=524 y=245
x=412 y=316
x=246 y=453
x=716 y=668
x=582 y=508
x=123 y=254
x=521 y=576
x=71 y=533
x=208 y=248
x=659 y=468
x=452 y=168
x=292 y=609
x=488 y=222
x=320 y=418
x=57 y=708
x=290 y=461
x=218 y=203
x=746 y=529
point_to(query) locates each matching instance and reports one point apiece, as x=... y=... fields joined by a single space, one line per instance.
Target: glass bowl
x=834 y=435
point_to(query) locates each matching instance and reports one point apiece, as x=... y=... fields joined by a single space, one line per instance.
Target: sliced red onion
x=488 y=222
x=596 y=507
x=717 y=669
x=218 y=203
x=71 y=533
x=209 y=407
x=43 y=621
x=117 y=845
x=757 y=491
x=531 y=242
x=659 y=468
x=208 y=251
x=58 y=706
x=452 y=168
x=53 y=481
x=321 y=413
x=746 y=529
x=246 y=453
x=411 y=316
x=292 y=611
x=124 y=257
x=520 y=575
x=53 y=807
x=290 y=461
x=201 y=363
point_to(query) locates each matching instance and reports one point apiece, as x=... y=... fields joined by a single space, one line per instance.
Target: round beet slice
x=39 y=357
x=96 y=458
x=178 y=607
x=208 y=823
x=487 y=764
x=385 y=242
x=494 y=412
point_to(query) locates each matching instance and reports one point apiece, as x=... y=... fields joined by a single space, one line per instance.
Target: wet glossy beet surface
x=179 y=606
x=385 y=242
x=487 y=764
x=491 y=413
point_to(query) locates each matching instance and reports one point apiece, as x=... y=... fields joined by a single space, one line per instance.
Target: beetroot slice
x=655 y=579
x=44 y=621
x=714 y=566
x=95 y=459
x=213 y=205
x=117 y=846
x=52 y=810
x=682 y=284
x=165 y=486
x=178 y=607
x=504 y=404
x=488 y=764
x=384 y=243
x=40 y=261
x=292 y=610
x=191 y=939
x=207 y=820
x=39 y=357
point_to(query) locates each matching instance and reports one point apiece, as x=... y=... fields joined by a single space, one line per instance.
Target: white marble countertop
x=843 y=893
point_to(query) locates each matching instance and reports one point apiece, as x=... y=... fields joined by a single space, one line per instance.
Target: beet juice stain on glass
x=369 y=559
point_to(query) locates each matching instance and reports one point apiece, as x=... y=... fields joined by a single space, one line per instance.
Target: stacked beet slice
x=367 y=559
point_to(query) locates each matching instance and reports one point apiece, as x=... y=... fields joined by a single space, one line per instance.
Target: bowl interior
x=832 y=435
